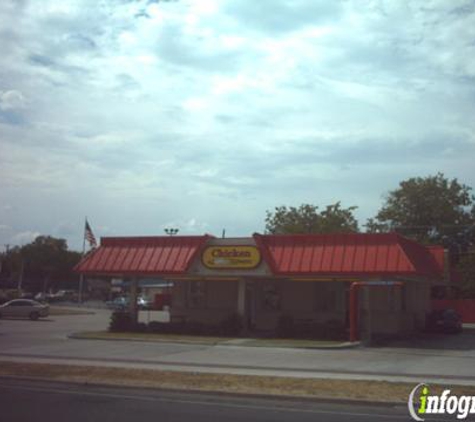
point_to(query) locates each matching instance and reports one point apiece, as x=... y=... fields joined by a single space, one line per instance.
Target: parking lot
x=47 y=340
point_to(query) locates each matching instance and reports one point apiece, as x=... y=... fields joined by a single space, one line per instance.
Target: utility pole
x=81 y=276
x=20 y=277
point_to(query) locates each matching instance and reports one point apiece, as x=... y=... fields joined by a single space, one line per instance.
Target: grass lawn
x=180 y=338
x=175 y=338
x=374 y=391
x=277 y=342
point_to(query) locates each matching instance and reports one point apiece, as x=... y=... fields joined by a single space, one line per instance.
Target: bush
x=121 y=321
x=194 y=328
x=157 y=327
x=336 y=330
x=329 y=330
x=140 y=327
x=285 y=327
x=231 y=326
x=167 y=327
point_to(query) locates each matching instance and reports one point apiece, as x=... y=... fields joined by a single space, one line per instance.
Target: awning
x=359 y=255
x=142 y=256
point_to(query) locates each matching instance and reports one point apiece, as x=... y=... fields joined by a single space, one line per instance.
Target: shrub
x=121 y=321
x=330 y=330
x=140 y=327
x=194 y=328
x=336 y=330
x=167 y=327
x=231 y=325
x=285 y=326
x=157 y=327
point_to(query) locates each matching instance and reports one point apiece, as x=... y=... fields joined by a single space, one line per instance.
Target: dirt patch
x=375 y=391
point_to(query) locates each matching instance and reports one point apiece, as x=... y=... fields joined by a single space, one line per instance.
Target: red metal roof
x=351 y=255
x=142 y=255
x=438 y=252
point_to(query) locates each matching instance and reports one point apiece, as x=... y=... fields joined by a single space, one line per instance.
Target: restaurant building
x=371 y=283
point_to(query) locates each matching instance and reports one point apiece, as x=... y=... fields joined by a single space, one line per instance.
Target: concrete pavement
x=47 y=342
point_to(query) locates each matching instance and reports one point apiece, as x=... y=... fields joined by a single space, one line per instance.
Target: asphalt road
x=22 y=400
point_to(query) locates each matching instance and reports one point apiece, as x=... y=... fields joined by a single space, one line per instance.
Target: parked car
x=144 y=302
x=445 y=321
x=41 y=297
x=24 y=308
x=123 y=302
x=67 y=295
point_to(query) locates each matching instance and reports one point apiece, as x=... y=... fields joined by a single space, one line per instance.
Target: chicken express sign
x=231 y=257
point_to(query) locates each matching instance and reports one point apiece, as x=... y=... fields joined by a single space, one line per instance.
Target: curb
x=78 y=336
x=342 y=346
x=346 y=345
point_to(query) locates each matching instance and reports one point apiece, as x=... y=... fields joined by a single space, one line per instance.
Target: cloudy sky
x=203 y=114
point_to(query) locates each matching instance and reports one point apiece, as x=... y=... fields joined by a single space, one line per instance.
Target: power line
x=433 y=225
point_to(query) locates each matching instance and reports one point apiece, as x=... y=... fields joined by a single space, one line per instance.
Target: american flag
x=89 y=235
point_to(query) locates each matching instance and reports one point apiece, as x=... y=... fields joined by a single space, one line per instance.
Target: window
x=396 y=299
x=196 y=294
x=404 y=293
x=270 y=297
x=20 y=303
x=325 y=297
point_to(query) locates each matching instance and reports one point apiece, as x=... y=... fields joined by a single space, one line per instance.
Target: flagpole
x=84 y=237
x=81 y=276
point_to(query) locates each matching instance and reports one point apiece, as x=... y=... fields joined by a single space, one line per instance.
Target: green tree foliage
x=45 y=262
x=11 y=264
x=466 y=268
x=307 y=219
x=428 y=209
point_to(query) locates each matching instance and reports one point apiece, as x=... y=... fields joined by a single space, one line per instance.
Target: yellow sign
x=231 y=257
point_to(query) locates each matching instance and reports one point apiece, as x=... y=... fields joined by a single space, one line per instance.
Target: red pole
x=354 y=311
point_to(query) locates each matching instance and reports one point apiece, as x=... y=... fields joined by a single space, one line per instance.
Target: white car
x=24 y=308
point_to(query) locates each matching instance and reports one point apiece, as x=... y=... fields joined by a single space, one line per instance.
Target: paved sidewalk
x=242 y=370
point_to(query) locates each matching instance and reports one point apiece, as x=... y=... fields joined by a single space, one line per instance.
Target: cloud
x=11 y=100
x=283 y=15
x=25 y=237
x=206 y=113
x=66 y=229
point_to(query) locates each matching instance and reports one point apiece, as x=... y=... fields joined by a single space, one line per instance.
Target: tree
x=307 y=219
x=11 y=266
x=430 y=209
x=45 y=262
x=466 y=269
